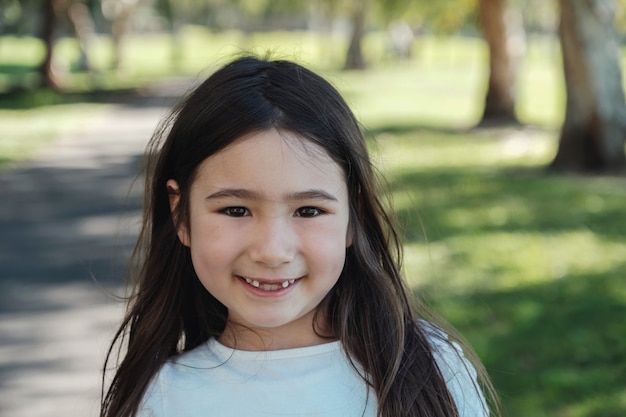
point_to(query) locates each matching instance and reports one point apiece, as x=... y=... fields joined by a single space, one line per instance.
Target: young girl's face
x=268 y=231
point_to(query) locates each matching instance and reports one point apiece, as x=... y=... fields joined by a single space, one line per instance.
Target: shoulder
x=458 y=372
x=178 y=376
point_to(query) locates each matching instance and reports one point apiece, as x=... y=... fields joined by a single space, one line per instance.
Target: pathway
x=68 y=220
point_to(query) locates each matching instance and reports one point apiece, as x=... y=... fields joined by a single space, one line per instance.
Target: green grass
x=24 y=131
x=530 y=267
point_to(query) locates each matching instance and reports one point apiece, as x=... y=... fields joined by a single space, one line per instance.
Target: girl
x=269 y=271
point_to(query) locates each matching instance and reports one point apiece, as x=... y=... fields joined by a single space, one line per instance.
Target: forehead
x=272 y=153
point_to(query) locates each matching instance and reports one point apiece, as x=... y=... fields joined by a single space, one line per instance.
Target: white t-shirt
x=315 y=381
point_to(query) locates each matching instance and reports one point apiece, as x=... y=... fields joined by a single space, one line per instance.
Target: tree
x=84 y=28
x=48 y=25
x=80 y=19
x=504 y=34
x=593 y=134
x=354 y=56
x=355 y=11
x=120 y=14
x=444 y=16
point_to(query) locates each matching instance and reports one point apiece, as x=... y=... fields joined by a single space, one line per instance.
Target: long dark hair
x=369 y=310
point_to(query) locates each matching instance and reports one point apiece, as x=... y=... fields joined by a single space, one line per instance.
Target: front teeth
x=269 y=287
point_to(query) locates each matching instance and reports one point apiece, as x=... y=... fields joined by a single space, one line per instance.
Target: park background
x=527 y=258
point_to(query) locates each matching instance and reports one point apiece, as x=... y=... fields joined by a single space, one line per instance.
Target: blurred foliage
x=445 y=16
x=247 y=15
x=157 y=18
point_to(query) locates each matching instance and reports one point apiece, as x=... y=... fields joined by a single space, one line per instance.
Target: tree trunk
x=503 y=31
x=594 y=131
x=85 y=30
x=120 y=13
x=48 y=26
x=354 y=58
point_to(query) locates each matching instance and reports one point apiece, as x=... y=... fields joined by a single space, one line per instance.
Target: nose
x=274 y=242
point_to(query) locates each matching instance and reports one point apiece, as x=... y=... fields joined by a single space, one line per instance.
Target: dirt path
x=68 y=216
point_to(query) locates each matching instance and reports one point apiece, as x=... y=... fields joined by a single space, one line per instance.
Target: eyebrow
x=242 y=193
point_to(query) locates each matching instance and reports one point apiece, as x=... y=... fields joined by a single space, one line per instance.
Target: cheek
x=212 y=259
x=328 y=248
x=211 y=247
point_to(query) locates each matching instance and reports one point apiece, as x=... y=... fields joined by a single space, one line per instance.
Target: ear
x=349 y=235
x=173 y=192
x=351 y=220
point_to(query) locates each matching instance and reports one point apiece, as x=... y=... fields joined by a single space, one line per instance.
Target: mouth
x=270 y=286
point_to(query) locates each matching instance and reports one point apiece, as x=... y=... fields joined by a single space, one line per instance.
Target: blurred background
x=499 y=126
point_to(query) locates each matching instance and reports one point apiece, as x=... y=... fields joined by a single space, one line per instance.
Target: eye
x=308 y=212
x=235 y=211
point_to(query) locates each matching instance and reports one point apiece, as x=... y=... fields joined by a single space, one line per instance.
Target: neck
x=238 y=336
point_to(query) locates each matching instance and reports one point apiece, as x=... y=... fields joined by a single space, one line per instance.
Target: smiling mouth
x=270 y=287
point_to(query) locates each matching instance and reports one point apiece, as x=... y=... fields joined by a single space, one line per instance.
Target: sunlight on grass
x=26 y=131
x=541 y=88
x=530 y=267
x=20 y=50
x=410 y=95
x=510 y=260
x=432 y=149
x=475 y=230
